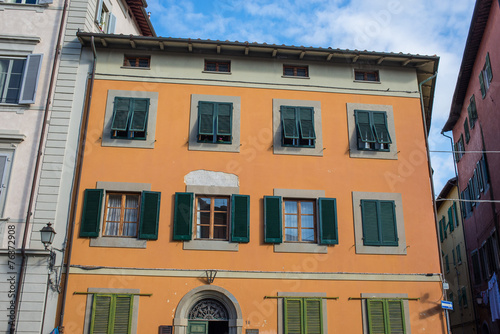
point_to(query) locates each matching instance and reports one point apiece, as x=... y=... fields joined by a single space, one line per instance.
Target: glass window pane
x=291 y=234
x=288 y=71
x=203 y=203
x=301 y=72
x=203 y=232
x=290 y=207
x=113 y=214
x=308 y=235
x=307 y=221
x=371 y=76
x=291 y=221
x=220 y=204
x=203 y=218
x=220 y=232
x=220 y=218
x=210 y=67
x=359 y=76
x=307 y=208
x=130 y=215
x=112 y=228
x=130 y=229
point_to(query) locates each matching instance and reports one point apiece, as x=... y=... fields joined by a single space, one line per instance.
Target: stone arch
x=208 y=292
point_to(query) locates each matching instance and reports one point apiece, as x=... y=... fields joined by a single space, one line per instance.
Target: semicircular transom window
x=208 y=309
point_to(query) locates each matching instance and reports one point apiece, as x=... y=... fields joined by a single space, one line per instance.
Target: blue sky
x=427 y=27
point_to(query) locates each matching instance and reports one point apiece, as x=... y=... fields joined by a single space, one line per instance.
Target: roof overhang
x=446 y=191
x=138 y=8
x=476 y=30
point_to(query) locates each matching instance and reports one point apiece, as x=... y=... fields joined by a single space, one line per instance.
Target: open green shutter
x=445 y=227
x=313 y=316
x=206 y=113
x=328 y=233
x=466 y=131
x=91 y=213
x=289 y=123
x=388 y=227
x=273 y=231
x=380 y=127
x=484 y=171
x=396 y=317
x=139 y=118
x=121 y=112
x=370 y=225
x=455 y=212
x=459 y=255
x=306 y=120
x=473 y=106
x=440 y=231
x=487 y=67
x=481 y=84
x=240 y=218
x=101 y=311
x=376 y=319
x=224 y=116
x=183 y=216
x=122 y=314
x=293 y=316
x=363 y=126
x=450 y=219
x=150 y=215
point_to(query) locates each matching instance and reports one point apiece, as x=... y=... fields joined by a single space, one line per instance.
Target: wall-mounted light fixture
x=210 y=275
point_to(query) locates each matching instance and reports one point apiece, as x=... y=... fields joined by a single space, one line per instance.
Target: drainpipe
x=76 y=182
x=38 y=161
x=432 y=187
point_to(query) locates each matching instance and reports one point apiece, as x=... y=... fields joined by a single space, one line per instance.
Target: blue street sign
x=445 y=305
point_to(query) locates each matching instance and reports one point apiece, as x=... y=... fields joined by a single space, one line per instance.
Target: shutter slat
x=306 y=120
x=388 y=223
x=120 y=114
x=293 y=316
x=481 y=84
x=380 y=128
x=183 y=216
x=150 y=215
x=139 y=118
x=370 y=225
x=122 y=319
x=224 y=114
x=101 y=313
x=240 y=218
x=396 y=319
x=363 y=126
x=91 y=213
x=206 y=118
x=30 y=79
x=272 y=219
x=376 y=320
x=289 y=123
x=313 y=316
x=328 y=233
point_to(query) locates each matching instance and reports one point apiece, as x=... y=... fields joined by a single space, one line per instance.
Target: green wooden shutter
x=101 y=312
x=454 y=257
x=293 y=316
x=466 y=131
x=380 y=127
x=306 y=120
x=388 y=227
x=447 y=263
x=376 y=318
x=183 y=216
x=464 y=297
x=313 y=316
x=91 y=213
x=289 y=123
x=450 y=219
x=459 y=255
x=440 y=231
x=484 y=171
x=473 y=107
x=328 y=233
x=395 y=311
x=240 y=218
x=487 y=67
x=206 y=113
x=122 y=314
x=121 y=113
x=457 y=156
x=224 y=117
x=139 y=119
x=363 y=125
x=273 y=231
x=481 y=84
x=150 y=215
x=469 y=112
x=445 y=227
x=455 y=213
x=370 y=225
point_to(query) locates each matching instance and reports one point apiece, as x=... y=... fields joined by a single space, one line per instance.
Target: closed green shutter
x=289 y=123
x=273 y=231
x=440 y=231
x=376 y=318
x=91 y=213
x=139 y=117
x=293 y=317
x=224 y=116
x=101 y=312
x=487 y=67
x=183 y=216
x=306 y=120
x=464 y=297
x=380 y=127
x=121 y=114
x=328 y=233
x=122 y=315
x=370 y=224
x=396 y=317
x=481 y=84
x=450 y=219
x=447 y=263
x=240 y=218
x=455 y=213
x=206 y=113
x=388 y=223
x=312 y=316
x=363 y=126
x=150 y=215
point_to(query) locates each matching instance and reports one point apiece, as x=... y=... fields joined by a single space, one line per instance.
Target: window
x=214 y=122
x=19 y=79
x=297 y=127
x=372 y=130
x=130 y=118
x=297 y=124
x=111 y=313
x=385 y=316
x=105 y=20
x=218 y=66
x=9 y=140
x=447 y=264
x=306 y=218
x=5 y=163
x=485 y=76
x=212 y=217
x=472 y=111
x=459 y=255
x=459 y=148
x=463 y=295
x=476 y=269
x=295 y=71
x=29 y=2
x=303 y=315
x=137 y=61
x=131 y=215
x=372 y=76
x=466 y=131
x=454 y=258
x=450 y=298
x=379 y=223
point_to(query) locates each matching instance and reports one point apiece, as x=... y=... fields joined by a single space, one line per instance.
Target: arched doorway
x=208 y=316
x=484 y=329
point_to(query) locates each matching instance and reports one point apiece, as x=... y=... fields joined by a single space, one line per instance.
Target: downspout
x=38 y=161
x=432 y=186
x=76 y=182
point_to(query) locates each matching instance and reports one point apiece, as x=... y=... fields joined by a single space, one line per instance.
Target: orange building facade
x=249 y=188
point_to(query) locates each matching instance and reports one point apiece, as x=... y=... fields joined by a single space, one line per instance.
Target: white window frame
x=5 y=176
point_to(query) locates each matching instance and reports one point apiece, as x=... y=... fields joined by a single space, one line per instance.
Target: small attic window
x=137 y=61
x=220 y=66
x=371 y=76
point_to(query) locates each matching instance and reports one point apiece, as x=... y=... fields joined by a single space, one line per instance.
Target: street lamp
x=47 y=234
